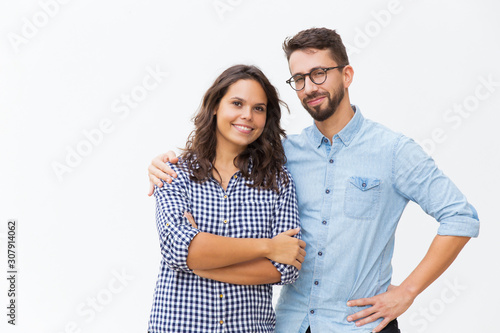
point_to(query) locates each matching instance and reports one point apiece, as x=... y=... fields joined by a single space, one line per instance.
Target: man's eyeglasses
x=317 y=76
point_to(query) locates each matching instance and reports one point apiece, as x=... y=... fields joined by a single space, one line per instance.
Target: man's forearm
x=253 y=272
x=394 y=302
x=441 y=253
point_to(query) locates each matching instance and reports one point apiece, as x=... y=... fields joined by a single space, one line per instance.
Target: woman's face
x=241 y=115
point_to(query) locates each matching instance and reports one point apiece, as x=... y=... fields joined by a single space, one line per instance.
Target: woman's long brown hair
x=266 y=153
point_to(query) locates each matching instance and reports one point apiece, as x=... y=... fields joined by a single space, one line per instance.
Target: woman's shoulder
x=181 y=169
x=282 y=180
x=284 y=169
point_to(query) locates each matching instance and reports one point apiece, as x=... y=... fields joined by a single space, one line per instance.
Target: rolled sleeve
x=288 y=273
x=467 y=227
x=175 y=231
x=417 y=178
x=286 y=217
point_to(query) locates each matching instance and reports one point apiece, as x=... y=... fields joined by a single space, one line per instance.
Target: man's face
x=321 y=101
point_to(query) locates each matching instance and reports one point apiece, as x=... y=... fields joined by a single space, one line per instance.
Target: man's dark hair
x=317 y=38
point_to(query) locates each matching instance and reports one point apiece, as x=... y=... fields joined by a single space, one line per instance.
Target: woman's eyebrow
x=244 y=100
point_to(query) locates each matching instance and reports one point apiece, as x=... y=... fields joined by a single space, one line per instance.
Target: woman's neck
x=224 y=164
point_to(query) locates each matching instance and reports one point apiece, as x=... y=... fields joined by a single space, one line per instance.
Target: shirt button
x=324 y=222
x=364 y=184
x=325 y=140
x=221 y=322
x=225 y=197
x=316 y=283
x=225 y=221
x=221 y=295
x=320 y=253
x=331 y=161
x=327 y=191
x=312 y=311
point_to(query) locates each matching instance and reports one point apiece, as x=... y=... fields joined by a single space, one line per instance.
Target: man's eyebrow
x=311 y=70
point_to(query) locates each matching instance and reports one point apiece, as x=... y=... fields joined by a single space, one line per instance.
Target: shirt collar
x=346 y=135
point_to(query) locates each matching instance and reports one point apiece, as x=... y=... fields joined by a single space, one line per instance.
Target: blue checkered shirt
x=185 y=302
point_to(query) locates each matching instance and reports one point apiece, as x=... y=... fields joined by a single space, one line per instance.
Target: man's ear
x=348 y=75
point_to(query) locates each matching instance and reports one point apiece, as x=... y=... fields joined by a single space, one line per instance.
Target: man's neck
x=337 y=121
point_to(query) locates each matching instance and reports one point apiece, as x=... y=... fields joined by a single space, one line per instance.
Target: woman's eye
x=237 y=103
x=260 y=108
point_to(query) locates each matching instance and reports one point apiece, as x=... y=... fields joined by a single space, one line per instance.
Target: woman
x=219 y=259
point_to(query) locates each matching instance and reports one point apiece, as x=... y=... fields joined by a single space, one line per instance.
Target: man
x=354 y=178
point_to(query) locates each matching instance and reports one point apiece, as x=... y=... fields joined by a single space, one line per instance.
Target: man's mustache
x=315 y=95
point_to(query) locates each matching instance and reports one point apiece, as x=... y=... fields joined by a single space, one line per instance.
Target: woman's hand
x=190 y=219
x=286 y=249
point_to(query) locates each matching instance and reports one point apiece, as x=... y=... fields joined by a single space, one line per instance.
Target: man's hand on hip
x=389 y=305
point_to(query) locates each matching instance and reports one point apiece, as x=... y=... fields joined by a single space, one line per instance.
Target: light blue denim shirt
x=351 y=194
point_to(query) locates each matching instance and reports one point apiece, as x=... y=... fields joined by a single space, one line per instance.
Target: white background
x=63 y=73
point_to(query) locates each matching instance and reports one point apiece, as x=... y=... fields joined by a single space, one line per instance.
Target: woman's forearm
x=253 y=272
x=208 y=251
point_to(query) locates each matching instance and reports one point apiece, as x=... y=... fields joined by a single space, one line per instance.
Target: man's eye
x=318 y=74
x=298 y=79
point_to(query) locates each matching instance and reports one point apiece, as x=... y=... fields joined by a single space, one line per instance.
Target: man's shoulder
x=380 y=133
x=294 y=139
x=374 y=126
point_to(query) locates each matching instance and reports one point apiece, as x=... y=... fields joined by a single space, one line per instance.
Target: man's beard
x=333 y=104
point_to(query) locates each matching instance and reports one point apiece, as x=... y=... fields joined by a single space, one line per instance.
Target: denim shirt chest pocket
x=362 y=196
x=255 y=218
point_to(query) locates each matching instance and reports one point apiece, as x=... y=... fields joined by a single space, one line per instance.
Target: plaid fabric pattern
x=185 y=302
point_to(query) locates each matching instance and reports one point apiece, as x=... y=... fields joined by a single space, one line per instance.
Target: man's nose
x=309 y=86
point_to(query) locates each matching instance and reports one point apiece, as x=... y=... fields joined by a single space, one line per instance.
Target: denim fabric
x=351 y=194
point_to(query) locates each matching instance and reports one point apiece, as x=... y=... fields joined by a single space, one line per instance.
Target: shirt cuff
x=288 y=273
x=180 y=239
x=466 y=227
